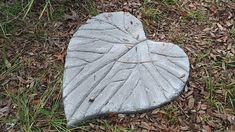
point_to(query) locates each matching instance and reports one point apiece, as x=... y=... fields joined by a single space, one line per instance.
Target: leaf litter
x=35 y=55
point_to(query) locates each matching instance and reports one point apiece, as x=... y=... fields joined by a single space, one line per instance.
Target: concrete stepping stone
x=111 y=67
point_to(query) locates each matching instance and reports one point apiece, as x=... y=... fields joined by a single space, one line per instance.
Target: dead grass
x=33 y=42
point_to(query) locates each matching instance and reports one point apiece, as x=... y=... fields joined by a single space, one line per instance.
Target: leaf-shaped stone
x=112 y=68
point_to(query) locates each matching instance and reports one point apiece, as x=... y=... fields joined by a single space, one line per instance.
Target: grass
x=178 y=38
x=170 y=115
x=212 y=98
x=227 y=61
x=228 y=87
x=150 y=7
x=168 y=2
x=211 y=88
x=47 y=8
x=197 y=15
x=28 y=116
x=39 y=35
x=90 y=7
x=151 y=12
x=231 y=63
x=203 y=56
x=59 y=13
x=35 y=114
x=205 y=118
x=230 y=90
x=9 y=66
x=36 y=106
x=232 y=32
x=8 y=13
x=114 y=128
x=165 y=2
x=28 y=113
x=14 y=14
x=35 y=92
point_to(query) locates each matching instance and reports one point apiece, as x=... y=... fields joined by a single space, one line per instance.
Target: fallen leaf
x=191 y=102
x=207 y=128
x=35 y=101
x=231 y=4
x=61 y=56
x=4 y=107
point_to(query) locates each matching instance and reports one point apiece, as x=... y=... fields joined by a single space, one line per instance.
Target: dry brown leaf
x=231 y=4
x=203 y=106
x=61 y=56
x=207 y=128
x=191 y=102
x=220 y=27
x=4 y=107
x=35 y=101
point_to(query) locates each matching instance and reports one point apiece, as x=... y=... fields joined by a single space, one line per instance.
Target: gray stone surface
x=112 y=67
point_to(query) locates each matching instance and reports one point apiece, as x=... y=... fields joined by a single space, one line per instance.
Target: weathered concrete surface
x=112 y=67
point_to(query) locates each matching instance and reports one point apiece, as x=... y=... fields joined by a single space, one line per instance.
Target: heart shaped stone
x=111 y=67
